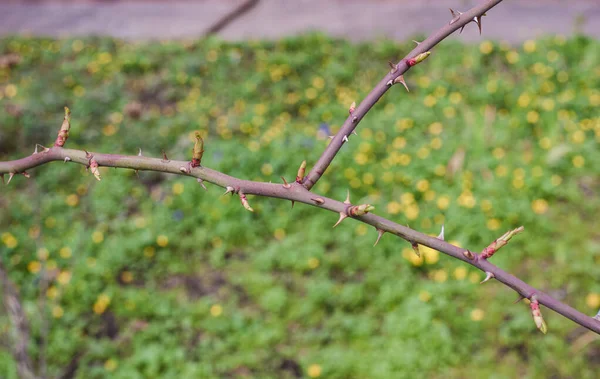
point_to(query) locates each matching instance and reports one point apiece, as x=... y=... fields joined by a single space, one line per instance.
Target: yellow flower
x=57 y=311
x=266 y=169
x=593 y=300
x=314 y=370
x=443 y=202
x=102 y=302
x=97 y=236
x=578 y=161
x=486 y=47
x=477 y=314
x=72 y=200
x=539 y=206
x=178 y=188
x=533 y=117
x=424 y=296
x=313 y=263
x=110 y=365
x=460 y=273
x=9 y=240
x=493 y=224
x=64 y=277
x=65 y=252
x=162 y=240
x=216 y=310
x=34 y=267
x=529 y=46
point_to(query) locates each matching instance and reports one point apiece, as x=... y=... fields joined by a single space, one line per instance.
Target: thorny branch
x=299 y=190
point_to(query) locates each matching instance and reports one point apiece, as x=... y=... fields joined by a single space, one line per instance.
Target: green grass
x=154 y=277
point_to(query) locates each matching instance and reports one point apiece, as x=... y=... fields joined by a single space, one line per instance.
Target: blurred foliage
x=154 y=277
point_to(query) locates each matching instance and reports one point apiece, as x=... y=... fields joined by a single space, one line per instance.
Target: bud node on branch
x=63 y=133
x=244 y=201
x=418 y=59
x=500 y=242
x=537 y=315
x=197 y=151
x=301 y=172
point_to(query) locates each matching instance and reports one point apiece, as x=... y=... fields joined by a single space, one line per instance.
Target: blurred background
x=151 y=276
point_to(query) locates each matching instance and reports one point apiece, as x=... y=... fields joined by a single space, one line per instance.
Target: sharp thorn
x=379 y=234
x=342 y=217
x=201 y=182
x=345 y=138
x=44 y=149
x=347 y=201
x=10 y=176
x=331 y=137
x=469 y=254
x=229 y=189
x=488 y=276
x=521 y=297
x=286 y=185
x=318 y=200
x=390 y=83
x=140 y=152
x=293 y=202
x=67 y=159
x=441 y=235
x=415 y=247
x=400 y=79
x=26 y=174
x=354 y=132
x=417 y=42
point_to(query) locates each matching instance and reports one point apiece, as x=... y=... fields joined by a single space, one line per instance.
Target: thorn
x=26 y=174
x=455 y=16
x=286 y=185
x=488 y=276
x=229 y=189
x=184 y=170
x=347 y=201
x=393 y=67
x=318 y=200
x=331 y=137
x=354 y=119
x=469 y=254
x=201 y=182
x=417 y=42
x=390 y=82
x=10 y=176
x=137 y=173
x=477 y=20
x=415 y=247
x=67 y=159
x=345 y=138
x=354 y=132
x=400 y=79
x=165 y=159
x=352 y=107
x=521 y=297
x=441 y=235
x=379 y=234
x=244 y=201
x=293 y=202
x=342 y=217
x=36 y=148
x=301 y=172
x=140 y=152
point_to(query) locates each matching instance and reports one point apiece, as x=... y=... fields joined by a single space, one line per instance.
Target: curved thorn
x=379 y=235
x=67 y=159
x=417 y=42
x=400 y=79
x=345 y=138
x=201 y=182
x=342 y=217
x=10 y=176
x=354 y=132
x=347 y=201
x=229 y=189
x=140 y=152
x=415 y=247
x=488 y=276
x=286 y=185
x=441 y=235
x=469 y=254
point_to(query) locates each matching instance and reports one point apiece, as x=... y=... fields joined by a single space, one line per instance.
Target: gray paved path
x=512 y=20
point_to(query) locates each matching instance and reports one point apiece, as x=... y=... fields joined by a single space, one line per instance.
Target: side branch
x=394 y=76
x=298 y=193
